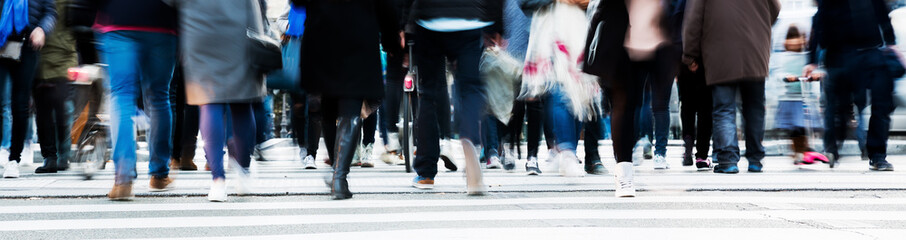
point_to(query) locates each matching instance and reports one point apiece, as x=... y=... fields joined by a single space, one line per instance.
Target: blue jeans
x=726 y=145
x=20 y=75
x=565 y=126
x=139 y=62
x=215 y=130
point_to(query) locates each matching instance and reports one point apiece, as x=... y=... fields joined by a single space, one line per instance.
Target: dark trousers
x=332 y=109
x=626 y=99
x=851 y=73
x=726 y=143
x=432 y=50
x=240 y=141
x=658 y=74
x=21 y=75
x=695 y=111
x=185 y=120
x=314 y=128
x=530 y=115
x=299 y=120
x=369 y=127
x=53 y=117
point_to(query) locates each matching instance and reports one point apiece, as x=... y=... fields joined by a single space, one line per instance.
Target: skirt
x=794 y=114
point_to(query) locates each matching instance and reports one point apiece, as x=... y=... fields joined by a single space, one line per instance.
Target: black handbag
x=264 y=49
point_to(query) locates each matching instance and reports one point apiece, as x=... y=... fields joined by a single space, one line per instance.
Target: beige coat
x=731 y=38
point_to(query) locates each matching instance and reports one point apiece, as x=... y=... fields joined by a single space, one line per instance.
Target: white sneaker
x=570 y=165
x=367 y=158
x=243 y=181
x=357 y=156
x=11 y=170
x=638 y=155
x=446 y=148
x=309 y=162
x=4 y=157
x=474 y=178
x=218 y=191
x=494 y=163
x=552 y=163
x=660 y=163
x=623 y=178
x=393 y=142
x=391 y=158
x=28 y=155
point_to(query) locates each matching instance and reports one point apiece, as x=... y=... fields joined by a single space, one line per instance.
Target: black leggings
x=626 y=96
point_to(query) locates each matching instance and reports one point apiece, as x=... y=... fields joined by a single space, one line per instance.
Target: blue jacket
x=41 y=13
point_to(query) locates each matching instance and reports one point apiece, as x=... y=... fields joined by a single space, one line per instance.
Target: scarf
x=13 y=18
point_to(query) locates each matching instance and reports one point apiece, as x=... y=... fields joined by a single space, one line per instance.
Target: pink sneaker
x=802 y=159
x=814 y=156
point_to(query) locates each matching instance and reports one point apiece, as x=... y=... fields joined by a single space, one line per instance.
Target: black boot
x=349 y=131
x=688 y=144
x=50 y=166
x=63 y=164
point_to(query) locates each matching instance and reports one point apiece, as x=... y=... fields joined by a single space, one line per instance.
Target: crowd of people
x=588 y=68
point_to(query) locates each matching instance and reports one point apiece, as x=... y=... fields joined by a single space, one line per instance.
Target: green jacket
x=59 y=52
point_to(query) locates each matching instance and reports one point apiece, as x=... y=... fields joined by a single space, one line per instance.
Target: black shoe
x=44 y=169
x=881 y=165
x=729 y=169
x=449 y=164
x=687 y=160
x=50 y=166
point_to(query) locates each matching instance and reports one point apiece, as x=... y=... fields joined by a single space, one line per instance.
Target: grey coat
x=213 y=48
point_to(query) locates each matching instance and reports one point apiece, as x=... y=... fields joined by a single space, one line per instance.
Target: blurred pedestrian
x=552 y=73
x=792 y=115
x=695 y=101
x=224 y=86
x=860 y=51
x=24 y=27
x=735 y=61
x=51 y=96
x=138 y=44
x=452 y=30
x=339 y=36
x=185 y=124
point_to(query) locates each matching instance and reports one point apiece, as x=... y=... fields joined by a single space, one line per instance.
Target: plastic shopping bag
x=502 y=74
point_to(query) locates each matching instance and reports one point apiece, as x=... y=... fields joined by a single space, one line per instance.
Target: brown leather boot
x=174 y=163
x=187 y=165
x=121 y=192
x=160 y=184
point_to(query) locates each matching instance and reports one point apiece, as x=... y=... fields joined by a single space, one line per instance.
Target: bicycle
x=409 y=91
x=91 y=128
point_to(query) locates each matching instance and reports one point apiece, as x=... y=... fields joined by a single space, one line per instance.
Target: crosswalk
x=497 y=216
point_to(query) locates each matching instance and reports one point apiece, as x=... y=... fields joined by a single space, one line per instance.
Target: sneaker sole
x=881 y=169
x=158 y=189
x=423 y=186
x=533 y=173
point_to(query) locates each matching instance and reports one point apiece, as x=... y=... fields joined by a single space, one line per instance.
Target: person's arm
x=815 y=42
x=388 y=21
x=692 y=33
x=882 y=14
x=49 y=19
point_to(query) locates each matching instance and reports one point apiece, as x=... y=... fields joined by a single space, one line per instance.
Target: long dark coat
x=340 y=47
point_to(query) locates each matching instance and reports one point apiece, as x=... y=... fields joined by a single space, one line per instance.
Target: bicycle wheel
x=407 y=132
x=92 y=153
